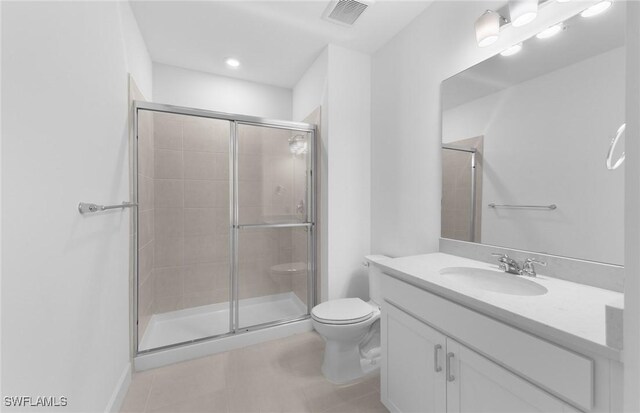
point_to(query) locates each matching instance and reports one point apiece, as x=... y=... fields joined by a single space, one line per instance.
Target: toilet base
x=343 y=362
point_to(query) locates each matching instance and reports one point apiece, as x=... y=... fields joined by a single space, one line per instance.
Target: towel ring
x=612 y=147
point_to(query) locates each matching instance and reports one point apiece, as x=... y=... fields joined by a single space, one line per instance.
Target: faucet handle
x=502 y=260
x=535 y=260
x=528 y=268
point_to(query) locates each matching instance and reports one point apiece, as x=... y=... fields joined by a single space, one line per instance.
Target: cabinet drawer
x=559 y=371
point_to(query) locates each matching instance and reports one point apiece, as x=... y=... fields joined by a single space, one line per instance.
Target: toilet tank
x=375 y=290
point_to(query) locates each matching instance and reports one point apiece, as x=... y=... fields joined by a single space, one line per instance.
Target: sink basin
x=495 y=281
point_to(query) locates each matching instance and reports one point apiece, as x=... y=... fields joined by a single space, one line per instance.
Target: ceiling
x=582 y=38
x=275 y=41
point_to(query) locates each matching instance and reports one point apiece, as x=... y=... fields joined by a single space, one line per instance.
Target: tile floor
x=277 y=376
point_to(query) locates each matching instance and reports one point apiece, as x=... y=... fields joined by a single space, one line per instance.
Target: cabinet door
x=412 y=376
x=475 y=384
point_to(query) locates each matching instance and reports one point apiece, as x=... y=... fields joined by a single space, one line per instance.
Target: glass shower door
x=273 y=231
x=184 y=228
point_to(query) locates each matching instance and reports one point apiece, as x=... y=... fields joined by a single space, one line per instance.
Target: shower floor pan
x=211 y=320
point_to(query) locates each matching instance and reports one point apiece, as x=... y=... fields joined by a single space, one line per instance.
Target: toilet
x=351 y=330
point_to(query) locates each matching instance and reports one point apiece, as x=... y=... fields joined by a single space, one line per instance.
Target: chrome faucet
x=528 y=268
x=508 y=264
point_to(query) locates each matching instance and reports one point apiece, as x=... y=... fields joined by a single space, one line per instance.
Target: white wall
x=65 y=277
x=311 y=89
x=406 y=76
x=309 y=93
x=544 y=142
x=139 y=61
x=340 y=81
x=190 y=88
x=349 y=172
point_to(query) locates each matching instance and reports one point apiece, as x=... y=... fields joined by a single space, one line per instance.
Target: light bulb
x=550 y=31
x=596 y=9
x=231 y=62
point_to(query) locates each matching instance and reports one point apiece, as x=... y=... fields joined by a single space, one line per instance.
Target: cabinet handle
x=436 y=367
x=450 y=377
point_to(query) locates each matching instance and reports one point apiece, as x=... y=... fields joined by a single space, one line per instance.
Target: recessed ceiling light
x=550 y=31
x=231 y=62
x=512 y=50
x=563 y=1
x=596 y=9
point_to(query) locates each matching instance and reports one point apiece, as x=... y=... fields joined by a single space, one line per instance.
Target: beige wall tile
x=201 y=221
x=167 y=130
x=169 y=252
x=168 y=164
x=166 y=304
x=199 y=249
x=169 y=222
x=169 y=193
x=206 y=194
x=145 y=227
x=145 y=193
x=206 y=135
x=145 y=160
x=206 y=165
x=168 y=282
x=249 y=167
x=200 y=277
x=145 y=261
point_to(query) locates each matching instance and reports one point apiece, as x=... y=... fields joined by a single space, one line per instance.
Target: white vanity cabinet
x=413 y=376
x=499 y=368
x=425 y=371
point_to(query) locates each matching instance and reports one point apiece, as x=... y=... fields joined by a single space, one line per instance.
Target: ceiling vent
x=346 y=12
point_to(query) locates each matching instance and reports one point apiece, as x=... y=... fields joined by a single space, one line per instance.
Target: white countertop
x=569 y=314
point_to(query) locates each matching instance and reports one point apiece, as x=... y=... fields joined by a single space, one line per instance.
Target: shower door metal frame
x=234 y=120
x=473 y=152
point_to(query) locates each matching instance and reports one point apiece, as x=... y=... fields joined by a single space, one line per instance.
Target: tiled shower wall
x=187 y=218
x=456 y=191
x=191 y=187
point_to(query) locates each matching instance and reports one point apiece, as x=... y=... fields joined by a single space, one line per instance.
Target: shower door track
x=235 y=120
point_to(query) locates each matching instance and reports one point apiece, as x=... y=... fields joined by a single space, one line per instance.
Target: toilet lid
x=343 y=311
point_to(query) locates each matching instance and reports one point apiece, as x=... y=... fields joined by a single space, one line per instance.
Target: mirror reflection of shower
x=462 y=190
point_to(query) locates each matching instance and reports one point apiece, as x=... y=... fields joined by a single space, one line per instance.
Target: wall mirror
x=524 y=142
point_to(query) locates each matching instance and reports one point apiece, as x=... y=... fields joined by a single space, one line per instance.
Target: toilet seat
x=342 y=311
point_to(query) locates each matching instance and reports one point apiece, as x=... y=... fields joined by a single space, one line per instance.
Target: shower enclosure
x=225 y=224
x=460 y=181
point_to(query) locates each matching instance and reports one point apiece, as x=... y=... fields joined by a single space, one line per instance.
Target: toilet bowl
x=351 y=330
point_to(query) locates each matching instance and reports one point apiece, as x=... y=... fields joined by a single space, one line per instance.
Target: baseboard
x=120 y=391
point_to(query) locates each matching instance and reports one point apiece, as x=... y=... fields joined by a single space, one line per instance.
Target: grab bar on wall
x=552 y=206
x=86 y=207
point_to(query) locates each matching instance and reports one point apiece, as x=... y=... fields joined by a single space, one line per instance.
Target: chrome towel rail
x=86 y=207
x=552 y=206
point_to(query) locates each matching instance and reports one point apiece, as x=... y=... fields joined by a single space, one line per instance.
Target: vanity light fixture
x=550 y=31
x=231 y=62
x=522 y=11
x=511 y=50
x=596 y=9
x=488 y=28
